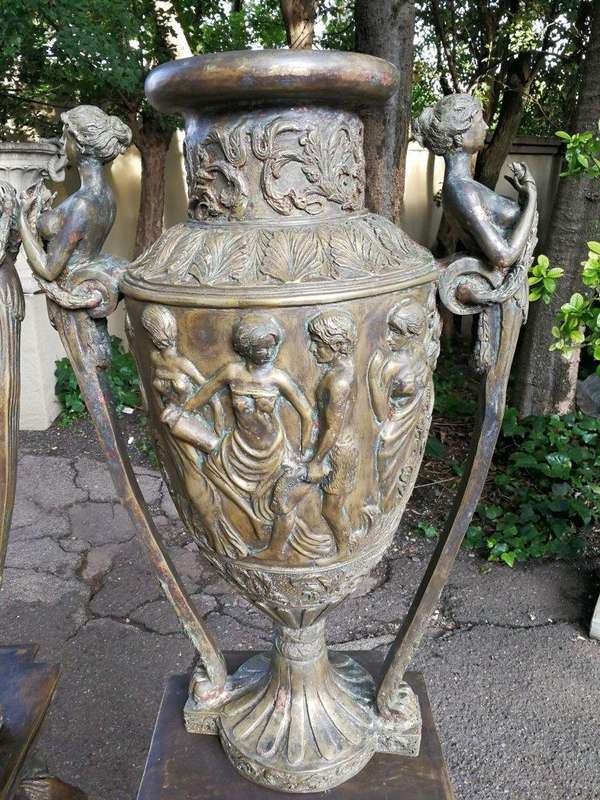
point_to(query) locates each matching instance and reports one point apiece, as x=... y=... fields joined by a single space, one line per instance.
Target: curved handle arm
x=87 y=344
x=500 y=321
x=12 y=311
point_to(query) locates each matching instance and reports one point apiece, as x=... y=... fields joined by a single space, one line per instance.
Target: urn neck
x=276 y=164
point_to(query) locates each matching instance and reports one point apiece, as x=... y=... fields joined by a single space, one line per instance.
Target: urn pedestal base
x=304 y=720
x=181 y=766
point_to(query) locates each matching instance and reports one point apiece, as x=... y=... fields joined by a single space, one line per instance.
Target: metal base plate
x=26 y=689
x=183 y=766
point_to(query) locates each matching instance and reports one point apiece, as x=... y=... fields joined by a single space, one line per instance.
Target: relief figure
x=176 y=378
x=248 y=460
x=397 y=380
x=334 y=464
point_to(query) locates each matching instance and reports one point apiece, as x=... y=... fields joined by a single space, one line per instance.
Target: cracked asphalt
x=513 y=678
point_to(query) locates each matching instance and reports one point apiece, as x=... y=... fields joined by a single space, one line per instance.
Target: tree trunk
x=153 y=146
x=386 y=29
x=545 y=381
x=299 y=19
x=490 y=160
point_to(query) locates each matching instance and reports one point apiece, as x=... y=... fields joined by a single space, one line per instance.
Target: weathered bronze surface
x=182 y=767
x=12 y=311
x=26 y=690
x=286 y=340
x=504 y=234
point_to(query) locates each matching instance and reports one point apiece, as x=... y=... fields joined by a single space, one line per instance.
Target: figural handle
x=87 y=344
x=466 y=286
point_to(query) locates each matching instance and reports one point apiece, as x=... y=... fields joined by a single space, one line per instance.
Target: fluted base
x=305 y=721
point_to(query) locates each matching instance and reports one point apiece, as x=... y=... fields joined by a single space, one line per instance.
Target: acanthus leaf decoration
x=329 y=160
x=223 y=258
x=218 y=188
x=172 y=257
x=334 y=166
x=291 y=259
x=356 y=253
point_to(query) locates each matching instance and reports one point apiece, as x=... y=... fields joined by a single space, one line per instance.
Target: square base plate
x=26 y=689
x=185 y=766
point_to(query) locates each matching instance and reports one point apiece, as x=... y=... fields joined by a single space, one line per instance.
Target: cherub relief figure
x=58 y=240
x=334 y=464
x=397 y=380
x=248 y=460
x=175 y=377
x=333 y=339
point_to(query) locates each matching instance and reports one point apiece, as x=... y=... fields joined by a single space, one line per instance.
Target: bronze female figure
x=487 y=223
x=60 y=241
x=397 y=383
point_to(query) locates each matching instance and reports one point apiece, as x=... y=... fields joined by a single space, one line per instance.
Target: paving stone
x=94 y=478
x=36 y=587
x=25 y=512
x=46 y=524
x=99 y=561
x=526 y=595
x=168 y=506
x=100 y=724
x=129 y=584
x=49 y=481
x=518 y=711
x=44 y=555
x=47 y=613
x=100 y=523
x=160 y=617
x=232 y=635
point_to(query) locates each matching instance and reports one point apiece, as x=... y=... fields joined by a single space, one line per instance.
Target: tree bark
x=545 y=381
x=299 y=19
x=490 y=160
x=153 y=145
x=386 y=28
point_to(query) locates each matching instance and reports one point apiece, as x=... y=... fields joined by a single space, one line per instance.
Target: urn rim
x=286 y=295
x=271 y=77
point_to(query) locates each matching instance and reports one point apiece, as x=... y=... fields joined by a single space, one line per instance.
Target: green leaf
x=435 y=448
x=508 y=558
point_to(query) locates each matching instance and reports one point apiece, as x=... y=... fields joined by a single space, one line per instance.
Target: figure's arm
x=502 y=251
x=295 y=396
x=189 y=368
x=61 y=247
x=377 y=389
x=332 y=418
x=213 y=385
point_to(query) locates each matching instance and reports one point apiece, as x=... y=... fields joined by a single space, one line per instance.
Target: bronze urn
x=286 y=339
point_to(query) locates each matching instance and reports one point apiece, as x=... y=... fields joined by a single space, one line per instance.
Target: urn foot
x=306 y=720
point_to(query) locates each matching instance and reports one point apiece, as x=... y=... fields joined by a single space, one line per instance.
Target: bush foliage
x=123 y=378
x=546 y=487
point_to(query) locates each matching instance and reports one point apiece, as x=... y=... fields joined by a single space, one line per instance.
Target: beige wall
x=424 y=177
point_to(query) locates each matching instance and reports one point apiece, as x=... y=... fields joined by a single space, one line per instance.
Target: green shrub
x=123 y=378
x=546 y=487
